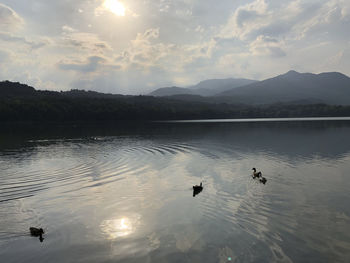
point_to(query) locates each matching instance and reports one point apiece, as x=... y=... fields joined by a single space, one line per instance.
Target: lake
x=123 y=192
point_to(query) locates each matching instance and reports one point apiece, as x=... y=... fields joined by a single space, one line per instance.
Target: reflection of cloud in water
x=153 y=241
x=189 y=238
x=120 y=226
x=303 y=209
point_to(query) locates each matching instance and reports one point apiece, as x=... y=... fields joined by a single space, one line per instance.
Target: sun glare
x=119 y=227
x=115 y=7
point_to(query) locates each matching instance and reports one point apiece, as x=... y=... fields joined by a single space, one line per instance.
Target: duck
x=36 y=231
x=259 y=175
x=197 y=189
x=256 y=174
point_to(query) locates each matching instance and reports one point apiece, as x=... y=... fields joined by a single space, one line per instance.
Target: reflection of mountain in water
x=326 y=139
x=294 y=139
x=120 y=183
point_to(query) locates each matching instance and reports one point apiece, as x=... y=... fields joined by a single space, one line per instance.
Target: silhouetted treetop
x=19 y=102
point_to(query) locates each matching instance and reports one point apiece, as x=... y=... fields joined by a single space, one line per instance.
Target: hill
x=22 y=103
x=330 y=88
x=212 y=87
x=204 y=88
x=15 y=89
x=170 y=91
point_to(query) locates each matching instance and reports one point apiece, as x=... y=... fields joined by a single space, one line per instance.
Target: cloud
x=169 y=42
x=4 y=56
x=266 y=46
x=245 y=19
x=147 y=52
x=84 y=41
x=90 y=65
x=67 y=29
x=250 y=12
x=9 y=19
x=144 y=51
x=292 y=19
x=333 y=18
x=271 y=28
x=8 y=37
x=180 y=9
x=198 y=51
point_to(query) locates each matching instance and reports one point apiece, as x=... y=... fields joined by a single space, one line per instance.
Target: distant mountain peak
x=292 y=73
x=331 y=88
x=205 y=88
x=170 y=91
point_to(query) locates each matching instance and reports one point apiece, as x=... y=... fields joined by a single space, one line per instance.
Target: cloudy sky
x=135 y=46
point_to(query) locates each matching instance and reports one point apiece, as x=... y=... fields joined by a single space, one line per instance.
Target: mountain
x=15 y=89
x=10 y=89
x=212 y=87
x=329 y=88
x=19 y=102
x=170 y=91
x=290 y=88
x=204 y=88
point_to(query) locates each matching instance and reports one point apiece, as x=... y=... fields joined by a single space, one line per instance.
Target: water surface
x=123 y=193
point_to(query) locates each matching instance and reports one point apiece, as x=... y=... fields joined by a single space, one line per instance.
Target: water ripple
x=121 y=175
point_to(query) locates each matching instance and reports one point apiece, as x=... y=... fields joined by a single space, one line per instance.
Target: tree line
x=148 y=108
x=47 y=106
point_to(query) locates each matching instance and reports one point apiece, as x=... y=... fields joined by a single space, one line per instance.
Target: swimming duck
x=256 y=174
x=197 y=189
x=36 y=231
x=259 y=175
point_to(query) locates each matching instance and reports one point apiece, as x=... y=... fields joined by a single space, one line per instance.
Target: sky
x=136 y=46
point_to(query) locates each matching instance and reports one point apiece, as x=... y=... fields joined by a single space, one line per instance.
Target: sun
x=115 y=7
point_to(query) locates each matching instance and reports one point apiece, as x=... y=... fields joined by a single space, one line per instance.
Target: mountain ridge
x=22 y=103
x=291 y=87
x=204 y=88
x=326 y=87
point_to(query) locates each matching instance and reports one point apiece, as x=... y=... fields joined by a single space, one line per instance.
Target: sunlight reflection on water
x=129 y=198
x=120 y=227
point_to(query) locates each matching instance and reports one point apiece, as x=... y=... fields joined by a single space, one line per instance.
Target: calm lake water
x=123 y=193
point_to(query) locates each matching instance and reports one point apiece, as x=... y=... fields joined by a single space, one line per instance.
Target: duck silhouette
x=197 y=189
x=259 y=175
x=37 y=232
x=256 y=174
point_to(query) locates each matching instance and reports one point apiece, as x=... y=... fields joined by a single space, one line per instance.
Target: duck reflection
x=197 y=189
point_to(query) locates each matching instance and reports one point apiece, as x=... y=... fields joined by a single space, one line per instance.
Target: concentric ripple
x=76 y=164
x=126 y=197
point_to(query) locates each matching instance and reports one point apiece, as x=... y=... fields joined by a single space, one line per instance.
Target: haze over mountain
x=170 y=91
x=20 y=102
x=205 y=88
x=291 y=87
x=329 y=88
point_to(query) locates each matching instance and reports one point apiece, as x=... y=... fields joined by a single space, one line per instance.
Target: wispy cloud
x=89 y=66
x=9 y=19
x=65 y=44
